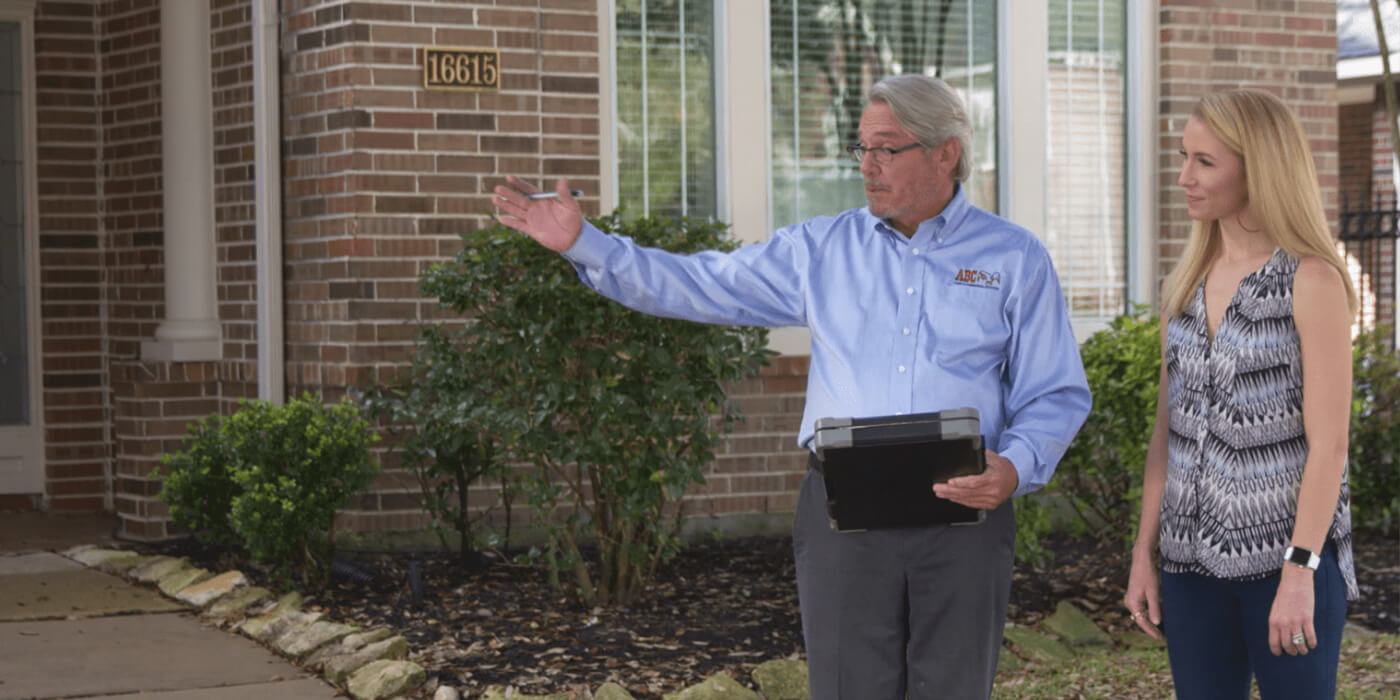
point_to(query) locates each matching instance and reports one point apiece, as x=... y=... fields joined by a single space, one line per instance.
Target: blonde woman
x=1245 y=490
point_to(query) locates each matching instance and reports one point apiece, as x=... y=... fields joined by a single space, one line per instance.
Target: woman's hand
x=1292 y=614
x=1142 y=598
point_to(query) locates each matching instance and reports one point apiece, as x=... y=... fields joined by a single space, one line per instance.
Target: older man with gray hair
x=919 y=302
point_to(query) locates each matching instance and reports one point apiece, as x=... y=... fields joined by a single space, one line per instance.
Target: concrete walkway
x=68 y=631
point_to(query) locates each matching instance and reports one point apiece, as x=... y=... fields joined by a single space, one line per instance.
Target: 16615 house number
x=450 y=68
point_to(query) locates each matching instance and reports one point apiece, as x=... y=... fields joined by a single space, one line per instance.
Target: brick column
x=1286 y=48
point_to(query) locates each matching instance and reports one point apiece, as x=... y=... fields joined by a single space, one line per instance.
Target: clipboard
x=879 y=472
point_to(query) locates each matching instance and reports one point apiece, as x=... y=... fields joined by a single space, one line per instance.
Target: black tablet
x=879 y=471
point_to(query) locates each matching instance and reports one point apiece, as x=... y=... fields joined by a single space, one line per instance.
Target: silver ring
x=1298 y=640
x=1137 y=614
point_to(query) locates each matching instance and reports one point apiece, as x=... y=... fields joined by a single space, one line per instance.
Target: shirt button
x=909 y=290
x=906 y=331
x=901 y=369
x=916 y=251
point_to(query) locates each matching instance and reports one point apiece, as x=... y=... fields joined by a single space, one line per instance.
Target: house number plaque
x=452 y=68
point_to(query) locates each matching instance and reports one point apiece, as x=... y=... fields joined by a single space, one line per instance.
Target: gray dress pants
x=911 y=613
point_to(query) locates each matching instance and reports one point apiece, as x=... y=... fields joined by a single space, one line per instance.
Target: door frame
x=26 y=443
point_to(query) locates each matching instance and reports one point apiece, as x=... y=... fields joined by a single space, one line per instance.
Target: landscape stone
x=338 y=668
x=782 y=679
x=157 y=568
x=1009 y=661
x=176 y=581
x=496 y=692
x=205 y=592
x=1074 y=628
x=276 y=623
x=123 y=566
x=98 y=558
x=347 y=646
x=385 y=679
x=1037 y=647
x=238 y=601
x=300 y=640
x=717 y=687
x=612 y=691
x=1137 y=639
x=446 y=692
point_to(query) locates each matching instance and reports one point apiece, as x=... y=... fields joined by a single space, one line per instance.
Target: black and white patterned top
x=1236 y=447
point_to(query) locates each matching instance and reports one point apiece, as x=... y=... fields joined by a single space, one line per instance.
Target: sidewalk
x=70 y=631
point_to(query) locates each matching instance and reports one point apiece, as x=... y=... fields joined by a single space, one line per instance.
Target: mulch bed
x=721 y=605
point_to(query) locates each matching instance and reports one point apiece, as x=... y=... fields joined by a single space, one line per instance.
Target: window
x=825 y=55
x=1086 y=172
x=14 y=302
x=665 y=125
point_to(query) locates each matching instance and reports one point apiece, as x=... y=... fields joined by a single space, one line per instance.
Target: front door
x=21 y=439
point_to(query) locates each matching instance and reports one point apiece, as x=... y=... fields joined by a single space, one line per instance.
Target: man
x=919 y=302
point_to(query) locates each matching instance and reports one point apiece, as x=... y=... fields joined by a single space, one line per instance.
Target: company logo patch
x=978 y=278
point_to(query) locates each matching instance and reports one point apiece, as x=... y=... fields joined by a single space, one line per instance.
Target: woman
x=1245 y=485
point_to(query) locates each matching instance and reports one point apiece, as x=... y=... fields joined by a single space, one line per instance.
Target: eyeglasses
x=882 y=155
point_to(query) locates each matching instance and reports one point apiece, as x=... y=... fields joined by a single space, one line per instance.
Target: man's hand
x=986 y=490
x=554 y=223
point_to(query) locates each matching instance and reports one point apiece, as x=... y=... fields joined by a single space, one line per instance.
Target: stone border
x=374 y=664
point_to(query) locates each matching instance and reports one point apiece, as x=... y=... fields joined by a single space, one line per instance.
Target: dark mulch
x=721 y=605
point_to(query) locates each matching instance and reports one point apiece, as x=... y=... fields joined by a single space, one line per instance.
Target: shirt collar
x=940 y=228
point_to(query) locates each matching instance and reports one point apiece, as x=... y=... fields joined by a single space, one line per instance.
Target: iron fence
x=1368 y=241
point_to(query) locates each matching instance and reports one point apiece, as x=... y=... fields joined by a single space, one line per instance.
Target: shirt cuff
x=590 y=248
x=1024 y=461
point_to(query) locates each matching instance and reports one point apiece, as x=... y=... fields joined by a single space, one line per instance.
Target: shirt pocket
x=970 y=328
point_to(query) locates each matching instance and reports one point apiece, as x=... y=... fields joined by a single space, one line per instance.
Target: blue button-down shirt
x=967 y=312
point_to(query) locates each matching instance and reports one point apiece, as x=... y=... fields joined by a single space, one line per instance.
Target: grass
x=1369 y=670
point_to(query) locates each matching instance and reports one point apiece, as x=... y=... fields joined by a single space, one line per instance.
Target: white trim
x=1143 y=154
x=267 y=197
x=27 y=442
x=607 y=106
x=1022 y=48
x=743 y=129
x=1364 y=66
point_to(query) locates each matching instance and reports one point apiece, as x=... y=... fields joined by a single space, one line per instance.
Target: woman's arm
x=1141 y=596
x=1324 y=333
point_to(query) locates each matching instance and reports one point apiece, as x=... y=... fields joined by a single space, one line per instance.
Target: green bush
x=271 y=479
x=1100 y=477
x=439 y=413
x=1375 y=432
x=616 y=413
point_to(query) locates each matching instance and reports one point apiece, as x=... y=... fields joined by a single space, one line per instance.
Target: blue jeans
x=1218 y=636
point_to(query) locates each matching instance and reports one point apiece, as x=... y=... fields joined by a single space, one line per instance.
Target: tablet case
x=879 y=472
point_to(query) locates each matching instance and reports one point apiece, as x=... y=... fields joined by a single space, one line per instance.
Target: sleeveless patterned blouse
x=1236 y=447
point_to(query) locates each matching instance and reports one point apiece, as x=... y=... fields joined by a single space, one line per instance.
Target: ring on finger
x=1299 y=639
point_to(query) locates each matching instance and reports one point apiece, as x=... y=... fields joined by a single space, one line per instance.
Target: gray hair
x=930 y=110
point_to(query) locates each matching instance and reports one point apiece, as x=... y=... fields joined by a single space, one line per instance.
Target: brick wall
x=382 y=176
x=72 y=332
x=1284 y=46
x=1354 y=144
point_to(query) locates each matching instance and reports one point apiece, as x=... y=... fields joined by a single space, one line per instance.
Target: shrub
x=282 y=472
x=439 y=413
x=616 y=412
x=1100 y=476
x=1375 y=432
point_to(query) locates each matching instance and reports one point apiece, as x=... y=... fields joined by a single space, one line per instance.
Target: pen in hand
x=551 y=194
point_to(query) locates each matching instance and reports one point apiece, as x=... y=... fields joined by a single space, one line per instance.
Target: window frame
x=26 y=440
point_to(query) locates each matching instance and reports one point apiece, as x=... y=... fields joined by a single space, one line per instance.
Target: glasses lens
x=856 y=152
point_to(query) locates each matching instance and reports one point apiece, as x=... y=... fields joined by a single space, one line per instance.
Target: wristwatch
x=1301 y=557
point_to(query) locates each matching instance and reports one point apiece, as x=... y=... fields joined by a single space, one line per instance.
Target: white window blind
x=825 y=55
x=1086 y=176
x=665 y=127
